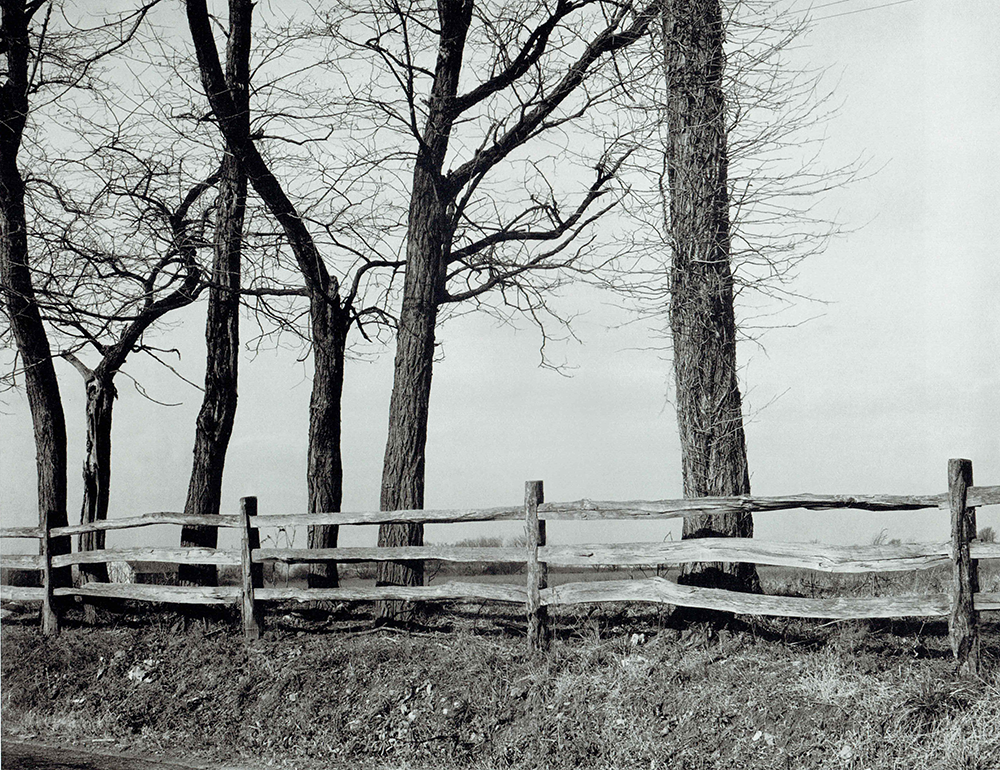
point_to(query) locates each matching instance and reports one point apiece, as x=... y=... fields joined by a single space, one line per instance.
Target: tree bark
x=702 y=317
x=41 y=385
x=100 y=401
x=405 y=452
x=427 y=250
x=325 y=473
x=99 y=407
x=214 y=426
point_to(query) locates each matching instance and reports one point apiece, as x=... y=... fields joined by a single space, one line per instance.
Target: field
x=621 y=687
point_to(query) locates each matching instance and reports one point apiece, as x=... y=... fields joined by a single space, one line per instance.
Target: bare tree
x=471 y=231
x=48 y=59
x=484 y=103
x=20 y=304
x=731 y=216
x=119 y=264
x=214 y=426
x=702 y=318
x=334 y=307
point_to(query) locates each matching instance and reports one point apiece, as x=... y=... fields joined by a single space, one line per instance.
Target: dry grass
x=621 y=687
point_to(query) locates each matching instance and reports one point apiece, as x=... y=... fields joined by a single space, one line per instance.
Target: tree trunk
x=101 y=396
x=214 y=426
x=702 y=318
x=429 y=237
x=41 y=385
x=403 y=467
x=325 y=475
x=100 y=401
x=331 y=318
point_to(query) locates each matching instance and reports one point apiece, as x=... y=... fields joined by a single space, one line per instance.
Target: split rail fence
x=961 y=605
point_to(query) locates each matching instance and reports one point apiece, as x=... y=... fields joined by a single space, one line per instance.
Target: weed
x=928 y=702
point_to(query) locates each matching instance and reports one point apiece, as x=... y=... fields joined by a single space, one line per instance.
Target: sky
x=896 y=370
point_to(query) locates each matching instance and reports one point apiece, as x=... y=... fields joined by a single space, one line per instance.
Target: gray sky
x=897 y=372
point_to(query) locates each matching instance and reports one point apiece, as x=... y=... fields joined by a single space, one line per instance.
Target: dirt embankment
x=620 y=689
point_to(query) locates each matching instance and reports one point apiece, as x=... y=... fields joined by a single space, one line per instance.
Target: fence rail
x=578 y=510
x=962 y=553
x=838 y=608
x=156 y=593
x=814 y=556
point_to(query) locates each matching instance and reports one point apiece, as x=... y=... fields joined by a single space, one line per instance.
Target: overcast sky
x=897 y=372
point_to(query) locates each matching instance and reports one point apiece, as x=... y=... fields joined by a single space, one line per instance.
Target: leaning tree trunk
x=101 y=395
x=429 y=237
x=214 y=426
x=702 y=318
x=325 y=474
x=41 y=385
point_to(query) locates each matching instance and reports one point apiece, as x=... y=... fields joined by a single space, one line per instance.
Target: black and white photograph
x=499 y=385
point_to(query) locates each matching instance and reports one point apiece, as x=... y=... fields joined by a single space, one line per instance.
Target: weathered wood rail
x=962 y=552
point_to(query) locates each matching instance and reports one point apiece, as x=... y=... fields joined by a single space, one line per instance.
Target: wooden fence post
x=50 y=607
x=538 y=572
x=963 y=623
x=253 y=574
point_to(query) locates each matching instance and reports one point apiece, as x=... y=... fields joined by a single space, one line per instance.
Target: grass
x=621 y=687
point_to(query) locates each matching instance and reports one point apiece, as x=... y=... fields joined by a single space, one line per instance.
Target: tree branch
x=608 y=41
x=238 y=141
x=527 y=57
x=596 y=191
